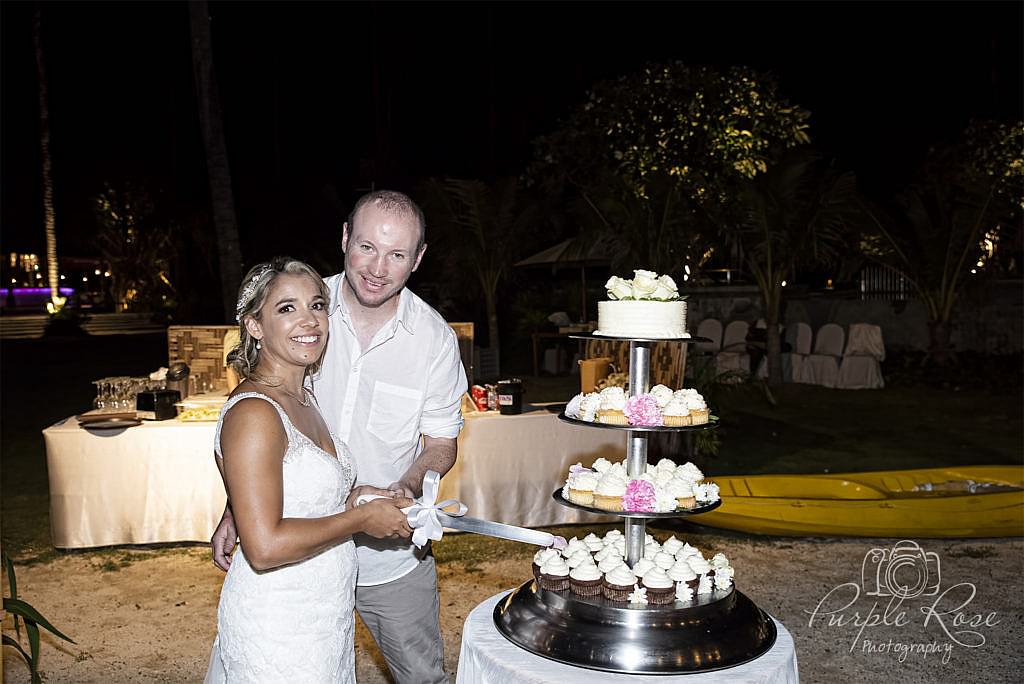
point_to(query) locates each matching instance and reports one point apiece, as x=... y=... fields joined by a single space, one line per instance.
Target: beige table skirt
x=158 y=482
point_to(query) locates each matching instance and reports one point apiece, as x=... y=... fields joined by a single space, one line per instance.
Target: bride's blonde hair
x=251 y=296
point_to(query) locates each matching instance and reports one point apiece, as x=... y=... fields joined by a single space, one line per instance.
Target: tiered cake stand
x=712 y=631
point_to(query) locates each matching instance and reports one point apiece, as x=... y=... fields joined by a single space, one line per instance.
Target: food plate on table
x=110 y=424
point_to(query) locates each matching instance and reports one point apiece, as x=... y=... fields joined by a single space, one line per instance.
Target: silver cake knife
x=500 y=530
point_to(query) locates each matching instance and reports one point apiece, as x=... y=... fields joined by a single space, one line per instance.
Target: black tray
x=710 y=425
x=678 y=513
x=111 y=424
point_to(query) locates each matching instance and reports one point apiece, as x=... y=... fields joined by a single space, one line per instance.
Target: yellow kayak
x=970 y=501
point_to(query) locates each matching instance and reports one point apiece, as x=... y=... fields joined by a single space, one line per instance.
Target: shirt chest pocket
x=394 y=413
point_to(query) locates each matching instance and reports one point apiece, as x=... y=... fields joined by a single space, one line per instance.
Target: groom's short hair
x=396 y=204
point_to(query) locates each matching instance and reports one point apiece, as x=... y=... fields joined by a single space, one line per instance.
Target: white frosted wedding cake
x=648 y=306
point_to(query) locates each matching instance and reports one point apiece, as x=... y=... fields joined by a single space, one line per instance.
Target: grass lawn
x=910 y=424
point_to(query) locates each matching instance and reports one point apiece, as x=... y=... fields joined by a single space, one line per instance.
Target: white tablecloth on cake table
x=508 y=466
x=487 y=657
x=158 y=482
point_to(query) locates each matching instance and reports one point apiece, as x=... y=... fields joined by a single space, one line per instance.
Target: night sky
x=461 y=90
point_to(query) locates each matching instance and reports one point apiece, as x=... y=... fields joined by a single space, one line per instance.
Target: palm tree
x=52 y=267
x=221 y=196
x=794 y=214
x=933 y=236
x=482 y=230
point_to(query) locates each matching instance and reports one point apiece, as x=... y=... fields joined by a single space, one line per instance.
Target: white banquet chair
x=798 y=336
x=710 y=328
x=822 y=366
x=733 y=355
x=861 y=366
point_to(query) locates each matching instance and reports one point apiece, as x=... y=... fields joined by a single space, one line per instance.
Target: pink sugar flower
x=639 y=497
x=642 y=410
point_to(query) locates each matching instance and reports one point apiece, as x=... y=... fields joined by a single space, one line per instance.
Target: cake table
x=487 y=657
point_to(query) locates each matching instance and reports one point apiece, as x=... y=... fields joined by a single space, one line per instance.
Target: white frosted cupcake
x=572 y=409
x=579 y=558
x=671 y=545
x=687 y=551
x=540 y=558
x=682 y=491
x=609 y=492
x=690 y=472
x=618 y=583
x=582 y=486
x=554 y=575
x=676 y=413
x=585 y=580
x=589 y=405
x=604 y=553
x=682 y=573
x=664 y=560
x=612 y=535
x=661 y=394
x=610 y=563
x=660 y=589
x=642 y=566
x=699 y=565
x=574 y=545
x=613 y=404
x=593 y=542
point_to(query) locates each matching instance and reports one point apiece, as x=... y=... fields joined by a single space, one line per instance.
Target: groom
x=390 y=387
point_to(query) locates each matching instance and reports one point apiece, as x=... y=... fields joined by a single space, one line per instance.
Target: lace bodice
x=293 y=623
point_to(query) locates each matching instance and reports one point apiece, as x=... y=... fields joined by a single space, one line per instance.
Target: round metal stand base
x=713 y=632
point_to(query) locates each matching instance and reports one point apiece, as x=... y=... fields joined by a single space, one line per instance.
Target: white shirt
x=380 y=401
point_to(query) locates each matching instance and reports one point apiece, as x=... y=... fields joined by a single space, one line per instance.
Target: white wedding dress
x=293 y=623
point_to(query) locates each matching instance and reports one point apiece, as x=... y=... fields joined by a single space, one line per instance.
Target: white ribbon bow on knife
x=428 y=518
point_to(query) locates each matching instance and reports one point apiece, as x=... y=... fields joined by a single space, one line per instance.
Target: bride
x=285 y=610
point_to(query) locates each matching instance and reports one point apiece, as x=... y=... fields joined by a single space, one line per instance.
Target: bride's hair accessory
x=249 y=289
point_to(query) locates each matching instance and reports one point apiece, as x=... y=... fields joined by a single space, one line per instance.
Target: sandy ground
x=154 y=619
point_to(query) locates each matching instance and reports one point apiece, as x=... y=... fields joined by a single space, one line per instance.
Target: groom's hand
x=399 y=489
x=223 y=541
x=359 y=491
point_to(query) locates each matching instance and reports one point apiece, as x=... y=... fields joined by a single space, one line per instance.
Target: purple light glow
x=36 y=291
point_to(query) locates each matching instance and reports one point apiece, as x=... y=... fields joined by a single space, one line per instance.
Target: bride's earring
x=258 y=345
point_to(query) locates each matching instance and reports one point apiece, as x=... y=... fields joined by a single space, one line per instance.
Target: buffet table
x=158 y=482
x=487 y=657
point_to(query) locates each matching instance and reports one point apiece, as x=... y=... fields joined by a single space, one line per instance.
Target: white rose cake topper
x=648 y=306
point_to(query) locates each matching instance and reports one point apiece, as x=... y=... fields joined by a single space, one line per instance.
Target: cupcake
x=581 y=487
x=612 y=535
x=579 y=558
x=574 y=545
x=572 y=409
x=618 y=583
x=593 y=542
x=613 y=403
x=554 y=574
x=609 y=492
x=686 y=552
x=664 y=560
x=682 y=573
x=601 y=466
x=699 y=413
x=690 y=472
x=682 y=491
x=585 y=580
x=676 y=413
x=660 y=588
x=661 y=394
x=699 y=565
x=589 y=405
x=540 y=558
x=642 y=566
x=610 y=563
x=671 y=545
x=604 y=553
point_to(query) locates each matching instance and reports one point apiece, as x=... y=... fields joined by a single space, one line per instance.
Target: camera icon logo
x=904 y=571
